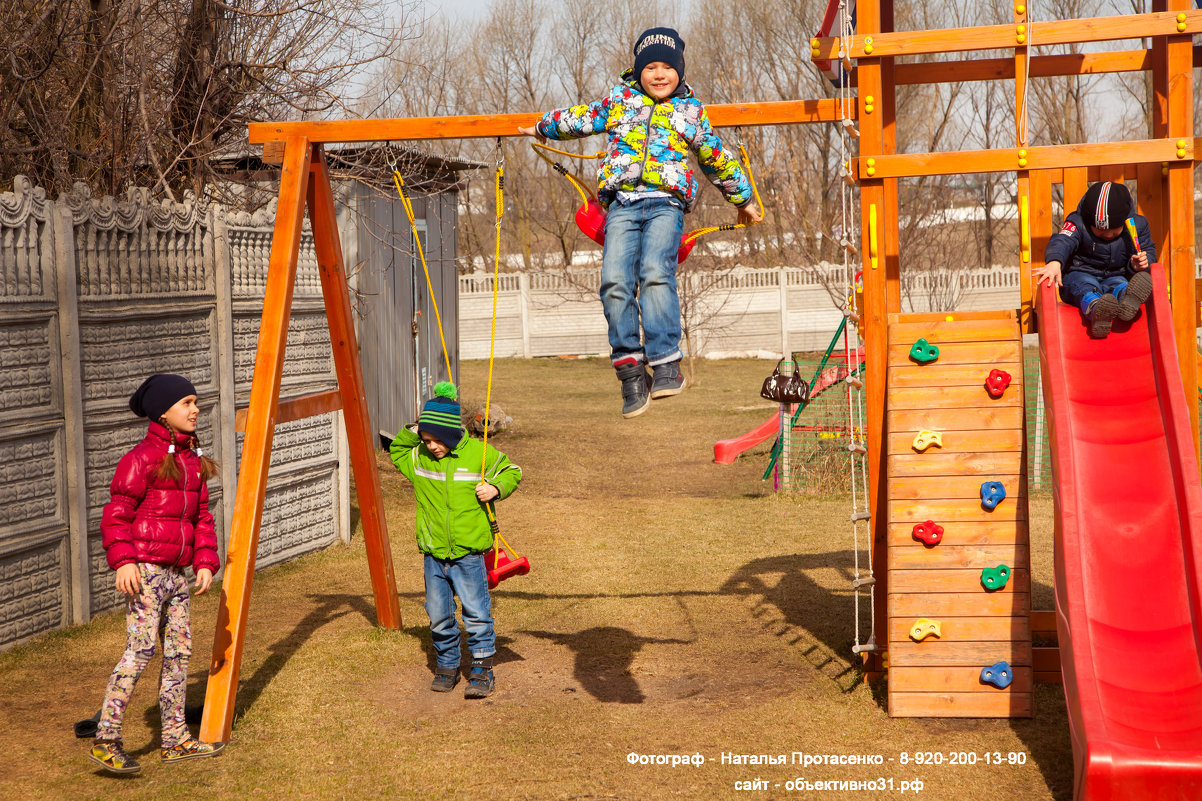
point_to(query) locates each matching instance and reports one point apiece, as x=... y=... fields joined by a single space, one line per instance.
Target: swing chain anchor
x=867 y=581
x=861 y=516
x=867 y=647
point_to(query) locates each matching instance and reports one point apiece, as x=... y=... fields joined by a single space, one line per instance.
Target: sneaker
x=1101 y=314
x=109 y=755
x=666 y=380
x=1138 y=290
x=445 y=679
x=480 y=681
x=635 y=383
x=190 y=749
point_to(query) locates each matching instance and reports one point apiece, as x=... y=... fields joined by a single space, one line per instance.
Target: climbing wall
x=959 y=576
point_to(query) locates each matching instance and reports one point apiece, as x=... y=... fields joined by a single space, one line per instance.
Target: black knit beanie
x=1106 y=204
x=158 y=394
x=659 y=44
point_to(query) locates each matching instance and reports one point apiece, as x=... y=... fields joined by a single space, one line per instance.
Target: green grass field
x=675 y=607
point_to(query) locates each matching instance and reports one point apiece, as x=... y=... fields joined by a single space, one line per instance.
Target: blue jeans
x=467 y=578
x=1080 y=289
x=638 y=279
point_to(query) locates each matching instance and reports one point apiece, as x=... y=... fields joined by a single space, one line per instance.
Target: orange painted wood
x=777 y=112
x=1047 y=677
x=360 y=440
x=957 y=533
x=998 y=704
x=948 y=487
x=222 y=687
x=1043 y=623
x=981 y=603
x=1076 y=181
x=1150 y=200
x=951 y=375
x=896 y=318
x=955 y=679
x=297 y=408
x=955 y=581
x=931 y=651
x=960 y=353
x=1179 y=57
x=1006 y=160
x=949 y=398
x=932 y=462
x=1041 y=231
x=965 y=630
x=956 y=419
x=997 y=69
x=914 y=555
x=957 y=330
x=1041 y=33
x=984 y=442
x=955 y=511
x=1046 y=658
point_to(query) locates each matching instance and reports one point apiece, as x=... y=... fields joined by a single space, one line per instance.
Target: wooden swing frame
x=1164 y=166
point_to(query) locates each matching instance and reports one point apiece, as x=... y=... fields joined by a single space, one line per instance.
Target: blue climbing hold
x=999 y=675
x=992 y=493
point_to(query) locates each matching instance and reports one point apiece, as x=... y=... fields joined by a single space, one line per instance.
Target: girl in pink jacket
x=156 y=524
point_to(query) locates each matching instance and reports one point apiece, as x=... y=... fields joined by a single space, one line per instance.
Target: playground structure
x=952 y=665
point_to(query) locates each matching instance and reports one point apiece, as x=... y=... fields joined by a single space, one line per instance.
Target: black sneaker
x=666 y=380
x=480 y=681
x=1101 y=314
x=635 y=382
x=1139 y=289
x=445 y=679
x=109 y=755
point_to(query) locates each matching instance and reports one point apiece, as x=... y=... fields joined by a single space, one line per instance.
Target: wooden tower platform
x=983 y=439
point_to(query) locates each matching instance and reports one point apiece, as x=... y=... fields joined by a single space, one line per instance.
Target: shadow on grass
x=604 y=655
x=1047 y=739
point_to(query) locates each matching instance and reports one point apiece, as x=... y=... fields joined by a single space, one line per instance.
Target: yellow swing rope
x=421 y=251
x=397 y=179
x=692 y=235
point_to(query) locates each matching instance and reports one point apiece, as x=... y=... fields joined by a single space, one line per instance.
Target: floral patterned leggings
x=161 y=609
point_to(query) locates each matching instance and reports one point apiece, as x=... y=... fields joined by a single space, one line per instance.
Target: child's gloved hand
x=533 y=131
x=749 y=214
x=204 y=580
x=1048 y=274
x=1139 y=261
x=486 y=492
x=129 y=580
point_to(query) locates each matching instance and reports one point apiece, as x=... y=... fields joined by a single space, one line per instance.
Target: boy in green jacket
x=444 y=465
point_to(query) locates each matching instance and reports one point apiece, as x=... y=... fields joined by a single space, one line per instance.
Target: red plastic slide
x=1128 y=553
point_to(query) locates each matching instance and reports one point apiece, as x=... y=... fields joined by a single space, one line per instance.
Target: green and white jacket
x=451 y=521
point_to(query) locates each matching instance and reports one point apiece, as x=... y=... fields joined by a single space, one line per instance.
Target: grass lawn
x=675 y=607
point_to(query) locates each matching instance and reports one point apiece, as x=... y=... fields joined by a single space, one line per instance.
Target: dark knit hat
x=1105 y=205
x=659 y=44
x=158 y=394
x=440 y=415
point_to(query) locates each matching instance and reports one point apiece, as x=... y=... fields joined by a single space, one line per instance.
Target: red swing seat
x=591 y=220
x=501 y=567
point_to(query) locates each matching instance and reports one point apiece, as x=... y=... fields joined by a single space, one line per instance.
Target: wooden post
x=1026 y=256
x=222 y=689
x=360 y=440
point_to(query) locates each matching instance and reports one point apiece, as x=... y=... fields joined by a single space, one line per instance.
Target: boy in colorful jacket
x=646 y=185
x=1094 y=262
x=443 y=463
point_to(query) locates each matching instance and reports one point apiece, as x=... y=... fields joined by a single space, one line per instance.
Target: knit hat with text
x=659 y=44
x=440 y=415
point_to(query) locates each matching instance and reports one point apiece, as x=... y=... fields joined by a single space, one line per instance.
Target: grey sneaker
x=666 y=380
x=480 y=681
x=445 y=679
x=1101 y=314
x=1139 y=289
x=635 y=382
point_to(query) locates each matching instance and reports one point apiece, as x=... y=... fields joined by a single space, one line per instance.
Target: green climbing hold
x=924 y=352
x=994 y=578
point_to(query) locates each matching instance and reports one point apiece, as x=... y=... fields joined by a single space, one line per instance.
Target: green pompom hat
x=440 y=415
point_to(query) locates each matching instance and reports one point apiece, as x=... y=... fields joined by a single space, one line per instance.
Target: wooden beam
x=222 y=688
x=297 y=409
x=1001 y=37
x=1007 y=160
x=779 y=112
x=998 y=69
x=360 y=440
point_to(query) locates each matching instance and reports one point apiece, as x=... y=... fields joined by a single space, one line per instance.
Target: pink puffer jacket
x=154 y=520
